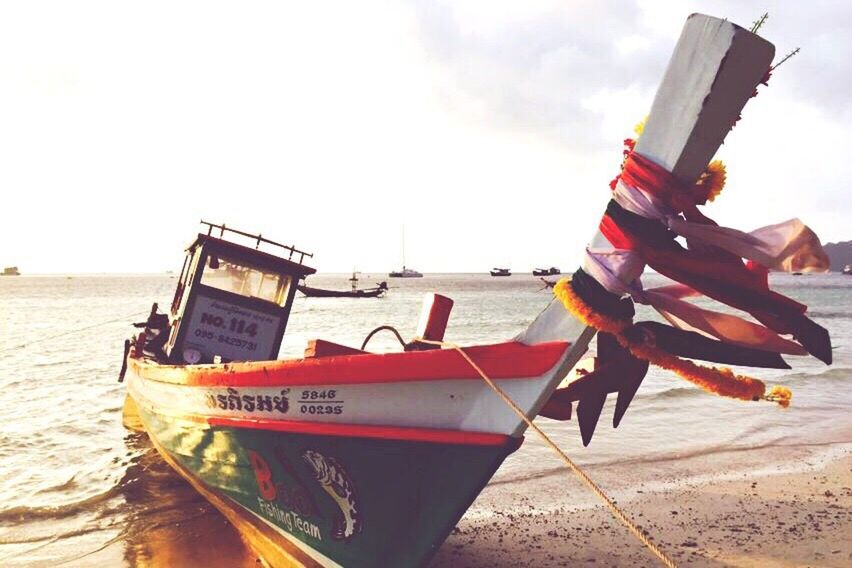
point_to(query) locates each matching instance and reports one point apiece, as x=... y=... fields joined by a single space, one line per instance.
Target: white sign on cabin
x=233 y=332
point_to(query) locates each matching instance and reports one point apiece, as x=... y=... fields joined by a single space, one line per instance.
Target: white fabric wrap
x=790 y=246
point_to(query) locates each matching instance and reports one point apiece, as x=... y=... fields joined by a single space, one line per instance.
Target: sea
x=77 y=489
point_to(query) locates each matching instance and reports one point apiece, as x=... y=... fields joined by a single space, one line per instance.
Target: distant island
x=840 y=254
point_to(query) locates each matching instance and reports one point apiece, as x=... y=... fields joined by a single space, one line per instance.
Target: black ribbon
x=696 y=346
x=599 y=299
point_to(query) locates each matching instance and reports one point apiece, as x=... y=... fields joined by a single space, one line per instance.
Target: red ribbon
x=711 y=271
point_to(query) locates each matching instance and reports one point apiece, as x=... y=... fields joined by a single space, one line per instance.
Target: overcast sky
x=488 y=129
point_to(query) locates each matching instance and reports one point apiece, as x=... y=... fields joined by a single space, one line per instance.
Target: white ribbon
x=790 y=246
x=619 y=270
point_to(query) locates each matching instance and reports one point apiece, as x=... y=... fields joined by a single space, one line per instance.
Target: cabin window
x=231 y=276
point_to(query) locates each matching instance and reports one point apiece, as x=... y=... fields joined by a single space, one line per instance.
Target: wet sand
x=779 y=506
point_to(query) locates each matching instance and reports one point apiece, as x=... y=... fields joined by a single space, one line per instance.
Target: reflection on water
x=76 y=489
x=152 y=518
x=169 y=524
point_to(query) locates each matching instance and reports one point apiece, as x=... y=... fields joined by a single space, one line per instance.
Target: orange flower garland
x=721 y=381
x=584 y=313
x=712 y=181
x=781 y=395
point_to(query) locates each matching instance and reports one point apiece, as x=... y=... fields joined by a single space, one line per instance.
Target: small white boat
x=405 y=273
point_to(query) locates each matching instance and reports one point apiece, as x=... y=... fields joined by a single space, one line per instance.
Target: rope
x=73 y=331
x=618 y=513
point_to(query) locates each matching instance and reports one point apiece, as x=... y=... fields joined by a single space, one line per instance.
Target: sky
x=488 y=130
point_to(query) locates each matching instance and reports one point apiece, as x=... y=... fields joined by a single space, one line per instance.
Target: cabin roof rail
x=258 y=238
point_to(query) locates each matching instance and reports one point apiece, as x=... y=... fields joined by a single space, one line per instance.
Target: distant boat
x=501 y=272
x=355 y=292
x=797 y=274
x=322 y=293
x=552 y=271
x=405 y=272
x=847 y=270
x=11 y=271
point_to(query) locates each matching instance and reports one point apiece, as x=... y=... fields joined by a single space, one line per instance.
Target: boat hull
x=329 y=500
x=379 y=482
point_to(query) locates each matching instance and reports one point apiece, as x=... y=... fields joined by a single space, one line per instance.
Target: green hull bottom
x=356 y=501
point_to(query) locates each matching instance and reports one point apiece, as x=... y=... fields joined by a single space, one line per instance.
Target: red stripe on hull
x=430 y=435
x=502 y=361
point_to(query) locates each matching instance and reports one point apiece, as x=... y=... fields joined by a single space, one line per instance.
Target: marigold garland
x=709 y=185
x=640 y=127
x=574 y=304
x=781 y=395
x=712 y=181
x=717 y=380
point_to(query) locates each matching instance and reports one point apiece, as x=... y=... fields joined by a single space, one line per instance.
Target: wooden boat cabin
x=233 y=301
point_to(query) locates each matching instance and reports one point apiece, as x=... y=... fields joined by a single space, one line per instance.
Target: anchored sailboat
x=405 y=272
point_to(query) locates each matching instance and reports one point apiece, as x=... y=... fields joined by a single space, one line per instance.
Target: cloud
x=581 y=74
x=538 y=69
x=545 y=66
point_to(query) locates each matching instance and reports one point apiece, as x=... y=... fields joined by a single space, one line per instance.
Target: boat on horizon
x=405 y=272
x=847 y=270
x=355 y=292
x=11 y=271
x=552 y=271
x=501 y=272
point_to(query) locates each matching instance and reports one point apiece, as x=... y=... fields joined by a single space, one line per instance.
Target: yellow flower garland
x=721 y=381
x=713 y=179
x=711 y=182
x=583 y=312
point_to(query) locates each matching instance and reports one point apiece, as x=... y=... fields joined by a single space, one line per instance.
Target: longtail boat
x=355 y=292
x=350 y=458
x=312 y=292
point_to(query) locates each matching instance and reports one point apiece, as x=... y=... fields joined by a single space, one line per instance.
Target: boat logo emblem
x=335 y=481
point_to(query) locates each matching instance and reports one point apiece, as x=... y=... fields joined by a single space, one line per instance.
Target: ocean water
x=77 y=489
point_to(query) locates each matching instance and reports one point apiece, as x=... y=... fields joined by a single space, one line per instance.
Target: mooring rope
x=73 y=331
x=618 y=513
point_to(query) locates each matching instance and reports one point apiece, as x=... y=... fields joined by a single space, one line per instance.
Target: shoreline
x=771 y=506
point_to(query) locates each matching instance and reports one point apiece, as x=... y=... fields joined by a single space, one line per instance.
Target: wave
x=827 y=374
x=829 y=315
x=25 y=513
x=833 y=373
x=675 y=392
x=131 y=479
x=665 y=457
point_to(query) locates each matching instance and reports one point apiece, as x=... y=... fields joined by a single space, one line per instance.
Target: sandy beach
x=789 y=506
